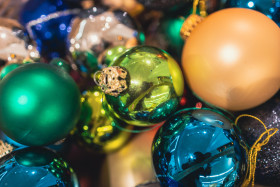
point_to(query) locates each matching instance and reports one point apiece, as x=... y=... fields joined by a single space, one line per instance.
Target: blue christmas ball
x=270 y=8
x=48 y=22
x=198 y=147
x=35 y=166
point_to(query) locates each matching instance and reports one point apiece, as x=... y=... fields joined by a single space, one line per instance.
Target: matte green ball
x=155 y=85
x=39 y=104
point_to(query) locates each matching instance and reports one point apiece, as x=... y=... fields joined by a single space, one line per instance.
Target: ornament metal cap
x=189 y=24
x=112 y=80
x=5 y=148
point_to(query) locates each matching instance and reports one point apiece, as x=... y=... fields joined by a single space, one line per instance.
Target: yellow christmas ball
x=97 y=131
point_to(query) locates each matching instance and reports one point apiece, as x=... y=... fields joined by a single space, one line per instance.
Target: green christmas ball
x=143 y=86
x=97 y=130
x=39 y=104
x=7 y=69
x=112 y=54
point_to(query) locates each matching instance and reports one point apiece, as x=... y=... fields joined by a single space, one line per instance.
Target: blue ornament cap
x=198 y=147
x=48 y=23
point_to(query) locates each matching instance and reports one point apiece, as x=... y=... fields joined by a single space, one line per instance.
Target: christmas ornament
x=39 y=104
x=9 y=141
x=168 y=35
x=35 y=166
x=143 y=86
x=96 y=30
x=226 y=61
x=7 y=69
x=96 y=129
x=198 y=147
x=16 y=46
x=267 y=171
x=133 y=160
x=112 y=54
x=59 y=147
x=270 y=8
x=48 y=22
x=62 y=64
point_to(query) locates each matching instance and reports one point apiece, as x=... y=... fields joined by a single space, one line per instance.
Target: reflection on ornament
x=225 y=68
x=96 y=30
x=154 y=86
x=269 y=8
x=48 y=22
x=198 y=147
x=268 y=170
x=39 y=104
x=110 y=55
x=35 y=166
x=15 y=46
x=97 y=130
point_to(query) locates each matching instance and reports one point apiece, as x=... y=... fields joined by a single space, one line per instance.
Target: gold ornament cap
x=112 y=80
x=5 y=148
x=189 y=24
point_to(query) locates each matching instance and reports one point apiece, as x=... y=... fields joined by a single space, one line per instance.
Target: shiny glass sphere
x=155 y=86
x=198 y=147
x=35 y=167
x=97 y=29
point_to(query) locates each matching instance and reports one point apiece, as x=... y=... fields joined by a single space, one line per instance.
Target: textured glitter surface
x=268 y=160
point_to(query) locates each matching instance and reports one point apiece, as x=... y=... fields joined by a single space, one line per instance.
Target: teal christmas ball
x=39 y=104
x=36 y=166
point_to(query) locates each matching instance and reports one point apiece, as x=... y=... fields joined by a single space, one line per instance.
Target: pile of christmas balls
x=95 y=71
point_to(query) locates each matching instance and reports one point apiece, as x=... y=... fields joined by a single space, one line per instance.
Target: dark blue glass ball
x=35 y=166
x=198 y=147
x=48 y=22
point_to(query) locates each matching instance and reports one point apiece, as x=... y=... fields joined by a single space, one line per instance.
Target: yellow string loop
x=252 y=153
x=202 y=7
x=195 y=3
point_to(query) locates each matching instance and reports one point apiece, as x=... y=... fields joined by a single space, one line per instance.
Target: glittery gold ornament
x=154 y=86
x=96 y=129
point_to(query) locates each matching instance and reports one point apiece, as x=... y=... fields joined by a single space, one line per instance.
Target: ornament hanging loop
x=252 y=153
